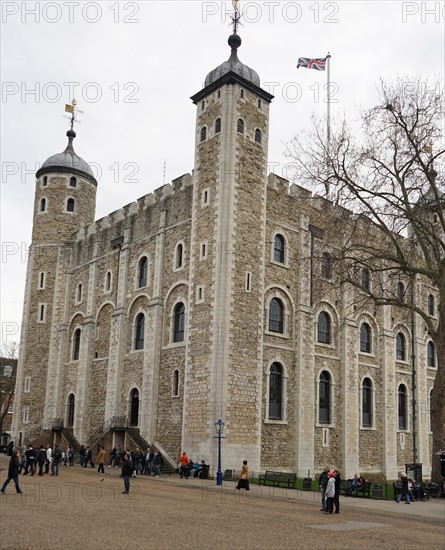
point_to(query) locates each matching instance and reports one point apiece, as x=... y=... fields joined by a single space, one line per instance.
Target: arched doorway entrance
x=70 y=411
x=134 y=407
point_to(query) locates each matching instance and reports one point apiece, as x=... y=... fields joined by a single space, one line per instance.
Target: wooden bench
x=278 y=477
x=346 y=489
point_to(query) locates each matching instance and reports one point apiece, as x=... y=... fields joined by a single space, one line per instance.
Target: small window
x=76 y=344
x=42 y=280
x=203 y=105
x=219 y=94
x=175 y=385
x=200 y=294
x=276 y=316
x=278 y=250
x=402 y=407
x=79 y=294
x=366 y=279
x=258 y=136
x=205 y=197
x=203 y=251
x=70 y=205
x=324 y=398
x=139 y=331
x=179 y=256
x=179 y=323
x=431 y=306
x=45 y=181
x=431 y=352
x=203 y=134
x=367 y=403
x=400 y=347
x=430 y=411
x=276 y=392
x=365 y=338
x=240 y=126
x=108 y=281
x=259 y=104
x=326 y=266
x=42 y=207
x=73 y=182
x=242 y=94
x=324 y=328
x=217 y=126
x=25 y=417
x=42 y=313
x=248 y=281
x=401 y=291
x=143 y=272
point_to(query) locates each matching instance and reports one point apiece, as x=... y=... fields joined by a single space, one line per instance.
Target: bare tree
x=386 y=174
x=7 y=379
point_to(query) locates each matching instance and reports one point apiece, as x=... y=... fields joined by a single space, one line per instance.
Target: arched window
x=276 y=315
x=276 y=392
x=431 y=352
x=179 y=323
x=142 y=272
x=203 y=133
x=76 y=344
x=217 y=126
x=139 y=331
x=401 y=291
x=179 y=256
x=367 y=403
x=108 y=281
x=42 y=207
x=79 y=293
x=240 y=126
x=324 y=398
x=400 y=347
x=366 y=279
x=278 y=249
x=70 y=205
x=45 y=181
x=258 y=136
x=402 y=407
x=365 y=338
x=70 y=411
x=175 y=385
x=324 y=328
x=326 y=266
x=431 y=305
x=73 y=182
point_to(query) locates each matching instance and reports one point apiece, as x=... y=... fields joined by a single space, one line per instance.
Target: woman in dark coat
x=337 y=491
x=13 y=473
x=243 y=482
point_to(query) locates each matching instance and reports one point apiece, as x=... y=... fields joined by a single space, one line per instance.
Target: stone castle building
x=214 y=297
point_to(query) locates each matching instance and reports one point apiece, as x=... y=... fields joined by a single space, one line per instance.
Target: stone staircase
x=138 y=441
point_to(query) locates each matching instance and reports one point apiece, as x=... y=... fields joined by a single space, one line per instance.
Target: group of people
x=330 y=482
x=409 y=489
x=356 y=486
x=189 y=468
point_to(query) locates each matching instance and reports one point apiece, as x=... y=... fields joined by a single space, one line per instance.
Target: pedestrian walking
x=101 y=458
x=13 y=473
x=243 y=482
x=404 y=491
x=49 y=457
x=41 y=459
x=57 y=459
x=30 y=459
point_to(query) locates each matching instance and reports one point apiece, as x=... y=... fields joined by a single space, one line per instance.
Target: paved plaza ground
x=81 y=509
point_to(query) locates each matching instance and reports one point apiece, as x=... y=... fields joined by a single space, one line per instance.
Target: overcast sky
x=132 y=67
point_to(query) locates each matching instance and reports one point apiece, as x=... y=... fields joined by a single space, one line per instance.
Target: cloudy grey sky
x=132 y=67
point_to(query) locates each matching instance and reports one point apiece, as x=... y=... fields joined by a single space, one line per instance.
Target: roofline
x=232 y=78
x=65 y=170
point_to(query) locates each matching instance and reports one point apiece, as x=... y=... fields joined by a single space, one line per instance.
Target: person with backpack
x=57 y=458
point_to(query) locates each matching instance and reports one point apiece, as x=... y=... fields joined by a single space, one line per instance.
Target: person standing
x=57 y=458
x=157 y=462
x=330 y=493
x=337 y=491
x=89 y=458
x=49 y=457
x=13 y=473
x=184 y=471
x=127 y=471
x=101 y=458
x=404 y=491
x=41 y=459
x=30 y=458
x=323 y=482
x=243 y=482
x=82 y=456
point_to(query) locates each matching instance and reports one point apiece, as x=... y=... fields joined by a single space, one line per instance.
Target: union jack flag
x=319 y=63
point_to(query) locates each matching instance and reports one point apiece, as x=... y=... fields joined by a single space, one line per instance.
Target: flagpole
x=328 y=120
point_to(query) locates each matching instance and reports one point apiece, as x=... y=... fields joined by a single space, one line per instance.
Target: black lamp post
x=219 y=425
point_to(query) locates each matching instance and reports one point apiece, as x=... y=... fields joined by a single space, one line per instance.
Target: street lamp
x=219 y=425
